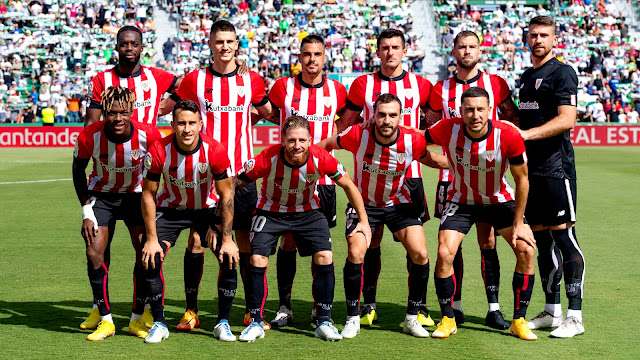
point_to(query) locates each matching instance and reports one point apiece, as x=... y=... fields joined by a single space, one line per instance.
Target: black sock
x=244 y=265
x=257 y=281
x=458 y=272
x=285 y=272
x=445 y=288
x=423 y=300
x=227 y=287
x=418 y=279
x=352 y=275
x=193 y=266
x=549 y=260
x=154 y=287
x=98 y=278
x=522 y=288
x=371 y=270
x=139 y=295
x=490 y=274
x=324 y=283
x=572 y=265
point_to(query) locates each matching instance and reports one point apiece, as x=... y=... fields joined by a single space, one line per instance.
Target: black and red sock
x=193 y=266
x=445 y=288
x=256 y=278
x=324 y=283
x=458 y=272
x=353 y=282
x=522 y=289
x=99 y=280
x=371 y=267
x=418 y=279
x=227 y=287
x=285 y=272
x=490 y=274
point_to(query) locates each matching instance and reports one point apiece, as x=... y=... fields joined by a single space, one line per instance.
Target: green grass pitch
x=44 y=292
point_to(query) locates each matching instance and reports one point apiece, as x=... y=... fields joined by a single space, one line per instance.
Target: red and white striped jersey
x=446 y=94
x=225 y=105
x=413 y=91
x=286 y=187
x=319 y=104
x=117 y=166
x=479 y=165
x=149 y=85
x=380 y=169
x=188 y=176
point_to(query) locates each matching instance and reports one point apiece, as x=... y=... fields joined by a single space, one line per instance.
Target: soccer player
x=445 y=103
x=149 y=84
x=413 y=92
x=117 y=147
x=383 y=153
x=480 y=150
x=547 y=113
x=318 y=99
x=288 y=202
x=225 y=99
x=196 y=181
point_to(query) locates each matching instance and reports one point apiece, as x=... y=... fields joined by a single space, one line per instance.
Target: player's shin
x=372 y=263
x=445 y=288
x=256 y=278
x=324 y=282
x=522 y=289
x=549 y=260
x=418 y=279
x=227 y=286
x=99 y=280
x=490 y=265
x=573 y=267
x=193 y=266
x=286 y=272
x=154 y=287
x=353 y=282
x=458 y=273
x=139 y=295
x=244 y=266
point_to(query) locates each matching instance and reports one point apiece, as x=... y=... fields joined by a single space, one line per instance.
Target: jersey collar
x=120 y=74
x=373 y=133
x=309 y=86
x=284 y=160
x=187 y=153
x=386 y=78
x=467 y=82
x=483 y=138
x=215 y=73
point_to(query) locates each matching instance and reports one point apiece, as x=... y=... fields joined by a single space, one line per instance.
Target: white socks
x=575 y=313
x=553 y=309
x=107 y=318
x=494 y=307
x=457 y=305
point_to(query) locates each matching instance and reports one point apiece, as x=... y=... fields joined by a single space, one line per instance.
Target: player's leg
x=286 y=271
x=93 y=319
x=244 y=203
x=458 y=265
x=458 y=273
x=371 y=269
x=490 y=267
x=193 y=267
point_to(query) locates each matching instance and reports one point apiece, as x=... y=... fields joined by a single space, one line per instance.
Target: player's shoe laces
x=283 y=317
x=104 y=330
x=314 y=317
x=545 y=320
x=326 y=331
x=414 y=328
x=147 y=318
x=495 y=320
x=446 y=327
x=158 y=332
x=189 y=321
x=569 y=328
x=368 y=316
x=222 y=332
x=459 y=316
x=520 y=329
x=92 y=320
x=424 y=318
x=351 y=328
x=252 y=332
x=138 y=328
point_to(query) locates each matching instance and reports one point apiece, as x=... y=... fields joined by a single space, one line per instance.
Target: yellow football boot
x=138 y=328
x=92 y=320
x=446 y=328
x=520 y=329
x=104 y=330
x=189 y=321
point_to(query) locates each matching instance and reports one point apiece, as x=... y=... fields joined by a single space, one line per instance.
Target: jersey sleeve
x=219 y=161
x=97 y=87
x=257 y=167
x=84 y=144
x=165 y=80
x=154 y=162
x=503 y=93
x=350 y=138
x=437 y=133
x=355 y=99
x=565 y=86
x=425 y=91
x=187 y=89
x=419 y=145
x=329 y=166
x=258 y=91
x=515 y=151
x=341 y=94
x=435 y=98
x=278 y=93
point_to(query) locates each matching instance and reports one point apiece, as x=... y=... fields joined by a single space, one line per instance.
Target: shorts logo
x=561 y=212
x=327 y=101
x=203 y=167
x=311 y=177
x=135 y=154
x=490 y=155
x=408 y=93
x=241 y=91
x=248 y=166
x=148 y=159
x=401 y=157
x=145 y=85
x=538 y=83
x=75 y=150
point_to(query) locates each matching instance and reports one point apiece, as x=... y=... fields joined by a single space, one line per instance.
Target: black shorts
x=396 y=217
x=310 y=231
x=418 y=200
x=441 y=197
x=551 y=201
x=460 y=217
x=244 y=206
x=110 y=207
x=327 y=196
x=171 y=222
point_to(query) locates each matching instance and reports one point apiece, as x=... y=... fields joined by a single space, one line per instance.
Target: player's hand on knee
x=212 y=239
x=89 y=231
x=524 y=233
x=149 y=251
x=365 y=229
x=230 y=249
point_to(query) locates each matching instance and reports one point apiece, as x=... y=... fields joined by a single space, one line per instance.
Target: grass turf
x=44 y=292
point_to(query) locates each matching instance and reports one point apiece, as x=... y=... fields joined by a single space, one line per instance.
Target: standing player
x=225 y=99
x=318 y=99
x=289 y=202
x=413 y=91
x=480 y=150
x=117 y=147
x=445 y=103
x=383 y=153
x=547 y=113
x=190 y=163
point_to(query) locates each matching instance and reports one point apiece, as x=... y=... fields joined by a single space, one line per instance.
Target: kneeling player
x=288 y=202
x=382 y=154
x=117 y=147
x=479 y=151
x=190 y=163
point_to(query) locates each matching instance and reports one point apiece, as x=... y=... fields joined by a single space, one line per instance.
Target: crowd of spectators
x=593 y=38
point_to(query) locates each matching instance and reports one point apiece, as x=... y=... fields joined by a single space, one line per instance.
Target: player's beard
x=393 y=132
x=468 y=66
x=129 y=63
x=544 y=54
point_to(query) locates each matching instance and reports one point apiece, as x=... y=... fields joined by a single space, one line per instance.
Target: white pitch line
x=37 y=161
x=32 y=181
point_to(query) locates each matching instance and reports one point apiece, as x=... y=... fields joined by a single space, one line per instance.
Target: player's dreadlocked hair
x=125 y=97
x=295 y=122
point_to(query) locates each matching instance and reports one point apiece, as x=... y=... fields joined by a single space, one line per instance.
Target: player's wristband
x=87 y=213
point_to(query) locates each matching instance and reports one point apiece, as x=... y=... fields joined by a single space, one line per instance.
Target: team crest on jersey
x=538 y=83
x=148 y=159
x=241 y=91
x=202 y=167
x=135 y=154
x=248 y=166
x=146 y=85
x=490 y=155
x=327 y=101
x=75 y=150
x=311 y=177
x=408 y=93
x=401 y=157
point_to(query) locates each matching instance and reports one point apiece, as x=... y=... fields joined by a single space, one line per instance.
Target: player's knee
x=419 y=257
x=95 y=256
x=525 y=252
x=356 y=253
x=323 y=258
x=259 y=260
x=487 y=243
